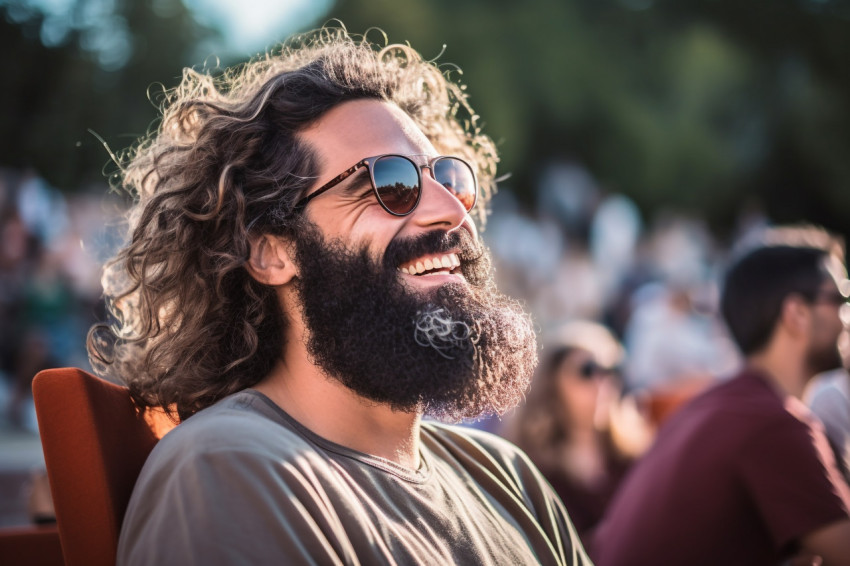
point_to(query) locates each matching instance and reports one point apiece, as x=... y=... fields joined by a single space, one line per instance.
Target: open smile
x=435 y=264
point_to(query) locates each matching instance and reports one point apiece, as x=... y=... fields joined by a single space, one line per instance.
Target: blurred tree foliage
x=710 y=106
x=705 y=105
x=102 y=61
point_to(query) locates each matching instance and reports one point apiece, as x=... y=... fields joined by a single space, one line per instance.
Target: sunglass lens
x=588 y=370
x=458 y=178
x=397 y=182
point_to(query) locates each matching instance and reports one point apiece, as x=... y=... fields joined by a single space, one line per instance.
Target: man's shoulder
x=503 y=473
x=724 y=422
x=470 y=438
x=476 y=450
x=745 y=400
x=244 y=422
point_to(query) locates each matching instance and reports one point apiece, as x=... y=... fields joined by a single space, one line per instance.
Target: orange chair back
x=95 y=442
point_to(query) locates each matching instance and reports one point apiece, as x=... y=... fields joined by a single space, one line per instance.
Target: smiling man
x=303 y=283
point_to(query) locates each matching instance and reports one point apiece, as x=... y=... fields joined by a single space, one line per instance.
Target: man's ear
x=796 y=314
x=270 y=261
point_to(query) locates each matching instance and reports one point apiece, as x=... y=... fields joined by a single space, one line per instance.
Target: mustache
x=403 y=250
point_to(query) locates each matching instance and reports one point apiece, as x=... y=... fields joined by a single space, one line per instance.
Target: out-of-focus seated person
x=743 y=474
x=828 y=396
x=574 y=424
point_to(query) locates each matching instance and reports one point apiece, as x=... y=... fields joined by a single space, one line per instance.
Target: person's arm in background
x=830 y=542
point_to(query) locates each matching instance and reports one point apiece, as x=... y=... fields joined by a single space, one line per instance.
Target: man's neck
x=334 y=412
x=787 y=373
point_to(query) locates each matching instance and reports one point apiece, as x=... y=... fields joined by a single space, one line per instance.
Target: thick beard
x=461 y=352
x=825 y=358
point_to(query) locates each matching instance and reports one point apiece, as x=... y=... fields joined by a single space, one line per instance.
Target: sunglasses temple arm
x=332 y=183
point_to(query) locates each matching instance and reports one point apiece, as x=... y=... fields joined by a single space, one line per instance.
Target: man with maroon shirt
x=744 y=474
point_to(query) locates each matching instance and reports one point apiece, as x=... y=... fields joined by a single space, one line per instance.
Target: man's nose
x=438 y=207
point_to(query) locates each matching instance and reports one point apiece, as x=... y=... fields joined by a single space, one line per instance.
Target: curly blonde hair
x=187 y=324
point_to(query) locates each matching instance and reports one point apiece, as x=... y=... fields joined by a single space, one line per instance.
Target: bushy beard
x=461 y=352
x=825 y=357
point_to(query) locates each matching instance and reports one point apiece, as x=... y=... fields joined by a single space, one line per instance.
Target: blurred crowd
x=630 y=331
x=50 y=249
x=585 y=254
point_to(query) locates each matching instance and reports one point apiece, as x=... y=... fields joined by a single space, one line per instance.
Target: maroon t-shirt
x=735 y=477
x=586 y=504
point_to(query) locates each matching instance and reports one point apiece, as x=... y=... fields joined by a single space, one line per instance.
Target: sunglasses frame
x=831 y=297
x=370 y=162
x=591 y=370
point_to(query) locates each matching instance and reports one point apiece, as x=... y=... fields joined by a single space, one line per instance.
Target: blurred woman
x=574 y=424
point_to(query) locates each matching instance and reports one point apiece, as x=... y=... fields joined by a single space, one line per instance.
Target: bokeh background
x=706 y=106
x=643 y=139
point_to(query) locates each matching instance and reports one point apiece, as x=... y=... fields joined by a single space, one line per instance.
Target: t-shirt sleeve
x=226 y=507
x=789 y=471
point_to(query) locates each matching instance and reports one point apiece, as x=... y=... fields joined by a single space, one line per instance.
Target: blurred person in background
x=828 y=396
x=303 y=283
x=36 y=304
x=574 y=424
x=46 y=294
x=677 y=344
x=743 y=474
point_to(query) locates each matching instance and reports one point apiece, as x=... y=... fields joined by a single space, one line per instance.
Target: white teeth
x=448 y=261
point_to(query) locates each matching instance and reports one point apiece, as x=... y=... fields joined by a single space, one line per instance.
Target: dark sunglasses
x=830 y=297
x=590 y=370
x=397 y=181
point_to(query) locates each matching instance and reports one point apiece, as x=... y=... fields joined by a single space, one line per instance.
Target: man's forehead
x=362 y=128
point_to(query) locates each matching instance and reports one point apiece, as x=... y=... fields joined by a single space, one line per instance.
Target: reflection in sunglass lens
x=397 y=182
x=457 y=177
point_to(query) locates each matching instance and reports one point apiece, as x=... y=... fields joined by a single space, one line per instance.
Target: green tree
x=702 y=105
x=95 y=77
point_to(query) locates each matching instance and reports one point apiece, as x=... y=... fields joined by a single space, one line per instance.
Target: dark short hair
x=788 y=261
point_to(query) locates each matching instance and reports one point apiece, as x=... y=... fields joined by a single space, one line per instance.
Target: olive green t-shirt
x=243 y=483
